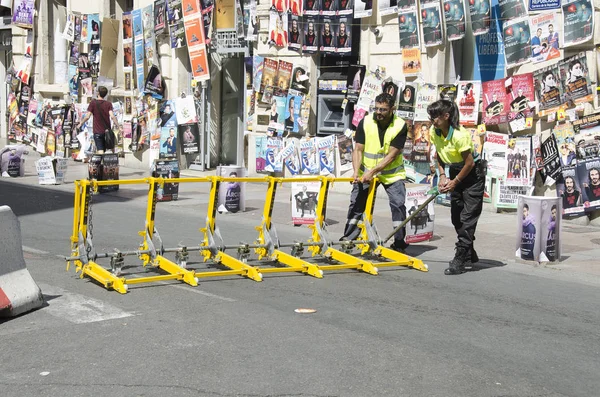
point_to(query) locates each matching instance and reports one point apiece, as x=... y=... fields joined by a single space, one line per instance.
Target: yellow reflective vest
x=374 y=152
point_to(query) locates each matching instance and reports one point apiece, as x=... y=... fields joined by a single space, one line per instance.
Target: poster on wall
x=292 y=111
x=454 y=15
x=548 y=89
x=521 y=94
x=326 y=154
x=343 y=38
x=517 y=46
x=308 y=157
x=495 y=102
x=510 y=9
x=406 y=102
x=23 y=13
x=467 y=99
x=489 y=50
x=328 y=32
x=159 y=16
x=290 y=157
x=408 y=29
x=538 y=229
x=432 y=25
x=356 y=75
x=574 y=75
x=362 y=9
x=294 y=33
x=278 y=23
x=310 y=45
x=279 y=5
x=551 y=159
x=190 y=138
x=304 y=203
x=578 y=21
x=494 y=151
x=588 y=172
x=273 y=162
x=284 y=75
x=480 y=11
x=346 y=7
x=568 y=189
x=387 y=7
x=199 y=63
x=300 y=79
x=328 y=7
x=506 y=197
x=564 y=134
x=545 y=38
x=411 y=61
x=371 y=87
x=426 y=94
x=312 y=7
x=587 y=136
x=421 y=142
x=345 y=148
x=168 y=141
x=420 y=227
x=518 y=158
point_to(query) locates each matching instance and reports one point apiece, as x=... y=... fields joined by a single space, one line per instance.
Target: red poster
x=495 y=102
x=521 y=93
x=199 y=63
x=194 y=32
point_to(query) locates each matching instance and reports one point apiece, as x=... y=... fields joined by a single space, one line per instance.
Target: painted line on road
x=195 y=290
x=77 y=308
x=33 y=250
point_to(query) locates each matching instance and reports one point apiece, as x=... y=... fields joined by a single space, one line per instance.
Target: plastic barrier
x=212 y=247
x=18 y=292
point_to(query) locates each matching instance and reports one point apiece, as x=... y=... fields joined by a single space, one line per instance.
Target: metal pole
x=419 y=209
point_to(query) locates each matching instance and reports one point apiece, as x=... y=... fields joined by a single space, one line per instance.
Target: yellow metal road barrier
x=267 y=245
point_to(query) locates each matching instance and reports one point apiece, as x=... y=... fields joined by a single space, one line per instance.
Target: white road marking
x=33 y=250
x=79 y=309
x=195 y=290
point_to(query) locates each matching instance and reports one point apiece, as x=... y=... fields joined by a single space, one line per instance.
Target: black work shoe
x=474 y=257
x=451 y=271
x=400 y=246
x=457 y=264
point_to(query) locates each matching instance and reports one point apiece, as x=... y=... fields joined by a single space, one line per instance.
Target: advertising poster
x=199 y=63
x=295 y=7
x=290 y=157
x=273 y=161
x=346 y=7
x=478 y=138
x=406 y=4
x=311 y=39
x=174 y=11
x=549 y=91
x=538 y=229
x=278 y=29
x=411 y=61
x=328 y=7
x=269 y=74
x=541 y=5
x=575 y=78
x=190 y=138
x=480 y=11
x=489 y=50
x=194 y=32
x=510 y=9
x=312 y=7
x=159 y=16
x=23 y=13
x=277 y=112
x=326 y=154
x=343 y=38
x=344 y=144
x=225 y=18
x=280 y=5
x=261 y=151
x=304 y=203
x=467 y=99
x=521 y=93
x=387 y=7
x=308 y=157
x=551 y=160
x=409 y=29
x=426 y=94
x=421 y=142
x=166 y=169
x=495 y=102
x=185 y=110
x=328 y=32
x=168 y=141
x=568 y=189
x=454 y=14
x=432 y=25
x=371 y=87
x=406 y=101
x=506 y=197
x=420 y=228
x=362 y=9
x=292 y=111
x=356 y=75
x=447 y=92
x=294 y=33
x=518 y=158
x=300 y=79
x=517 y=46
x=232 y=195
x=565 y=139
x=588 y=172
x=587 y=136
x=177 y=34
x=284 y=75
x=190 y=7
x=545 y=38
x=494 y=150
x=578 y=21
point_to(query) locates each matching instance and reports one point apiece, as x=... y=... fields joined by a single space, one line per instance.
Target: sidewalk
x=496 y=234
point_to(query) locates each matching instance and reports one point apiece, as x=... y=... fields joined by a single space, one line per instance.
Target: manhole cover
x=596 y=241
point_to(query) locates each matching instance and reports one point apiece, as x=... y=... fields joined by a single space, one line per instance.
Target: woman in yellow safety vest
x=466 y=181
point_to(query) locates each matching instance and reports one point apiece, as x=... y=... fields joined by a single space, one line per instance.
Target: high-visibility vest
x=373 y=152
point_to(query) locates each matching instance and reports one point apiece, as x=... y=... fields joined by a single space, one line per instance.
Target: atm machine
x=331 y=91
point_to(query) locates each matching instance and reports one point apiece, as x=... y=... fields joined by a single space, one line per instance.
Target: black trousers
x=467 y=203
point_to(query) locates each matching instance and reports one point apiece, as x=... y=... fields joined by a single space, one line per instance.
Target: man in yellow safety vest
x=380 y=139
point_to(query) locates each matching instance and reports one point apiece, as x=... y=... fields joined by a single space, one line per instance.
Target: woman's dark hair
x=443 y=106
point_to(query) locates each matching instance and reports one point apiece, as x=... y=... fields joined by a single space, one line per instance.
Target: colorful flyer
x=343 y=37
x=409 y=29
x=310 y=44
x=454 y=14
x=569 y=190
x=426 y=94
x=304 y=203
x=548 y=89
x=432 y=25
x=480 y=11
x=578 y=21
x=467 y=99
x=588 y=172
x=517 y=46
x=295 y=33
x=510 y=9
x=420 y=227
x=495 y=102
x=545 y=38
x=411 y=61
x=522 y=92
x=387 y=7
x=518 y=158
x=362 y=9
x=494 y=151
x=574 y=75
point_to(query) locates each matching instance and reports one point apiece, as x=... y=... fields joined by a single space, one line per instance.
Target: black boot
x=457 y=264
x=474 y=257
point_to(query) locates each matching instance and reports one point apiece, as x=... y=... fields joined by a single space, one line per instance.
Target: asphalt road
x=500 y=331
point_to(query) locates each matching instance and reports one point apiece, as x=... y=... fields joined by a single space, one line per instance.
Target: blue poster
x=489 y=50
x=540 y=5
